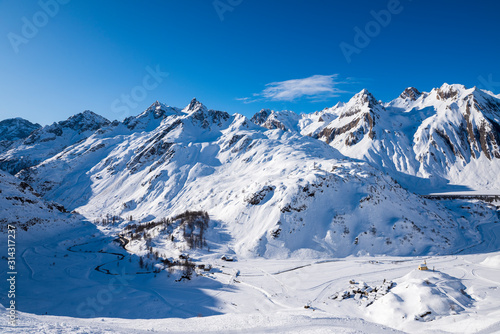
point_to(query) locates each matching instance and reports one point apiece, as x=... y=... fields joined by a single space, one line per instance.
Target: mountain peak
x=86 y=120
x=261 y=117
x=337 y=105
x=365 y=97
x=410 y=93
x=200 y=114
x=158 y=110
x=88 y=116
x=194 y=106
x=151 y=117
x=156 y=105
x=447 y=86
x=270 y=119
x=447 y=91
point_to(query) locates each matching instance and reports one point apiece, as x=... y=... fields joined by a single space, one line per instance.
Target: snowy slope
x=249 y=296
x=421 y=296
x=22 y=207
x=276 y=193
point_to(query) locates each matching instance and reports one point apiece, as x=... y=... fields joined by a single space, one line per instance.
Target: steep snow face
x=115 y=150
x=465 y=127
x=355 y=122
x=49 y=140
x=15 y=129
x=23 y=208
x=276 y=193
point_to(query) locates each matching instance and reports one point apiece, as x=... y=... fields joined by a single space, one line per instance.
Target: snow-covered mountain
x=459 y=139
x=151 y=117
x=16 y=128
x=356 y=120
x=49 y=140
x=450 y=134
x=13 y=129
x=276 y=193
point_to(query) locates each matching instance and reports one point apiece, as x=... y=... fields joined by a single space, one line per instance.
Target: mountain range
x=449 y=135
x=345 y=180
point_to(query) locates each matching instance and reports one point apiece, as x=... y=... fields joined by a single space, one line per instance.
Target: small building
x=423 y=266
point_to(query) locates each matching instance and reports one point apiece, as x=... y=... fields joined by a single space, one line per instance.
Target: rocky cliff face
x=356 y=120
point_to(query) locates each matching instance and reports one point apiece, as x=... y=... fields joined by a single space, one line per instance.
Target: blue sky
x=112 y=57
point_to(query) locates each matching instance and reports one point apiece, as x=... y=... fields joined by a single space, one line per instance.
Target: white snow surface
x=59 y=291
x=22 y=207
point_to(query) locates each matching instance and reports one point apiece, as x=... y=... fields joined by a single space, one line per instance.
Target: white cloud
x=316 y=87
x=244 y=99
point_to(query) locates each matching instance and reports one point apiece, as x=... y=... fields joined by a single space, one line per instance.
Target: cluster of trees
x=140 y=231
x=184 y=263
x=147 y=262
x=188 y=269
x=108 y=219
x=194 y=224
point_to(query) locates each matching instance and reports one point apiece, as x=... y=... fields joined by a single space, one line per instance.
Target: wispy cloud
x=316 y=87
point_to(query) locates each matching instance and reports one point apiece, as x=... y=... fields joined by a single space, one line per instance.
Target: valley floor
x=81 y=281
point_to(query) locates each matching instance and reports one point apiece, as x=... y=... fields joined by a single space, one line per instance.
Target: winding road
x=99 y=268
